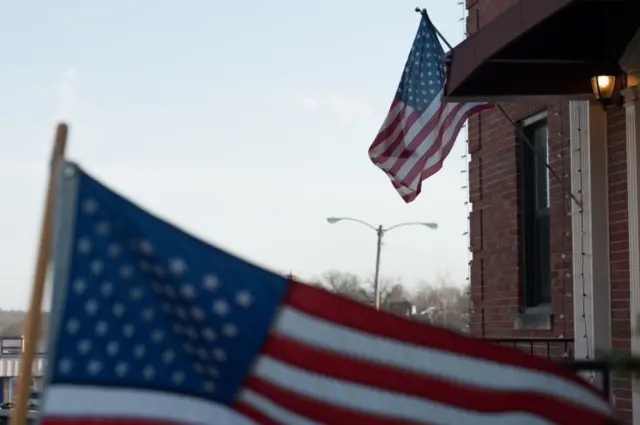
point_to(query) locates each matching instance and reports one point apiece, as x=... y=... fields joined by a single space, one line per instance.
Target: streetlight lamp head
x=332 y=220
x=433 y=226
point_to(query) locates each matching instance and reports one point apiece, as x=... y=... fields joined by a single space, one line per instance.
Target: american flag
x=420 y=129
x=153 y=326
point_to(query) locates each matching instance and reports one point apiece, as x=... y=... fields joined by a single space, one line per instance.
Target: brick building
x=543 y=264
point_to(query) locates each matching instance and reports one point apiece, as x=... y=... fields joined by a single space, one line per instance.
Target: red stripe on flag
x=318 y=411
x=388 y=128
x=428 y=172
x=396 y=380
x=431 y=170
x=442 y=145
x=437 y=123
x=254 y=414
x=415 y=144
x=392 y=145
x=343 y=311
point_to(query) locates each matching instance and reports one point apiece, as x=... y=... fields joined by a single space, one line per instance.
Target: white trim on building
x=590 y=229
x=632 y=110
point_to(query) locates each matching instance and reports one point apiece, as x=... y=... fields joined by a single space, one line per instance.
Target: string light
x=563 y=257
x=468 y=237
x=583 y=298
x=467 y=203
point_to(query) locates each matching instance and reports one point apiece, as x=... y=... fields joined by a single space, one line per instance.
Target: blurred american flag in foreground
x=154 y=326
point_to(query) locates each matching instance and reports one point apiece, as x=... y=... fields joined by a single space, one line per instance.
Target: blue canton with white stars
x=424 y=73
x=149 y=306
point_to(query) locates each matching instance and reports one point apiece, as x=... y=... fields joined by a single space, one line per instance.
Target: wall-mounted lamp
x=603 y=86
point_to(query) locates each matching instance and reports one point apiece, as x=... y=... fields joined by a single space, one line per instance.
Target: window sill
x=535 y=318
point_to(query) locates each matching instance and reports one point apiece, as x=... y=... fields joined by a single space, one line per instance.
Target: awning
x=542 y=48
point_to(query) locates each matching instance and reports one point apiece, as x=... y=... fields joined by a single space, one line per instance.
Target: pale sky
x=245 y=124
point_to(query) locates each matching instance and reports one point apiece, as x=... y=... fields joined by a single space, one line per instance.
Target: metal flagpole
x=34 y=316
x=518 y=129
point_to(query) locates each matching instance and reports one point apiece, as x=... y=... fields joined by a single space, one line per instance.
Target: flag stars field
x=176 y=300
x=177 y=266
x=90 y=206
x=103 y=228
x=114 y=250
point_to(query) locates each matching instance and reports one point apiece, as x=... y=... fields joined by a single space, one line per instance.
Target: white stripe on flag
x=75 y=401
x=418 y=154
x=438 y=155
x=454 y=367
x=393 y=113
x=412 y=132
x=272 y=410
x=374 y=401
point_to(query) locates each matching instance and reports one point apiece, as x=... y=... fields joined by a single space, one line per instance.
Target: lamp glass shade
x=603 y=86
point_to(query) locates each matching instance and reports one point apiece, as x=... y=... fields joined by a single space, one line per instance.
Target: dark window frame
x=534 y=218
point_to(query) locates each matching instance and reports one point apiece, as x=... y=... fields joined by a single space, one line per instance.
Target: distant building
x=401 y=308
x=11 y=348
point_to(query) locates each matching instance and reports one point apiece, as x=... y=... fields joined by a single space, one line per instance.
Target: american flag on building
x=154 y=326
x=420 y=128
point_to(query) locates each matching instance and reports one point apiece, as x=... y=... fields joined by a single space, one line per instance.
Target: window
x=533 y=179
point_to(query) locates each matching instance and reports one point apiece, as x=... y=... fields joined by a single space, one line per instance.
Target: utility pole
x=380 y=231
x=376 y=278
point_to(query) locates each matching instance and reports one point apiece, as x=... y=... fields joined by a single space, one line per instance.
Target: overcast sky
x=247 y=123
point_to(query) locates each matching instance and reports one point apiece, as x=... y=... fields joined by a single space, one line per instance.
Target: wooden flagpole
x=34 y=315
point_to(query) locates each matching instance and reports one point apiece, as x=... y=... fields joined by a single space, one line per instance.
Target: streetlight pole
x=380 y=232
x=376 y=277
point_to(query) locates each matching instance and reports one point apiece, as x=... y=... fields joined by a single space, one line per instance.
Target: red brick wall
x=495 y=278
x=619 y=249
x=495 y=274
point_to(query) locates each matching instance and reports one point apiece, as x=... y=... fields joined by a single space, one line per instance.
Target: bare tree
x=346 y=284
x=12 y=322
x=392 y=292
x=443 y=304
